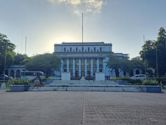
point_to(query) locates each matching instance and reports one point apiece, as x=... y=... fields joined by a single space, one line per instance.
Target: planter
x=153 y=89
x=19 y=88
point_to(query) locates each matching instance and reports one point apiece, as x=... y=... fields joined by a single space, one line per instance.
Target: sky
x=124 y=23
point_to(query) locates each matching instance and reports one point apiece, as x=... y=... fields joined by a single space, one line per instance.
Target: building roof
x=84 y=43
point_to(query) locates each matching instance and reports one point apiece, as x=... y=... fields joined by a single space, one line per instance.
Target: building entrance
x=77 y=75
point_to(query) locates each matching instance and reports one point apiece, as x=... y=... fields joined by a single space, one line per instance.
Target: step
x=115 y=88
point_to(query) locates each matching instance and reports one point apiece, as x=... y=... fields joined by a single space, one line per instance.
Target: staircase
x=100 y=86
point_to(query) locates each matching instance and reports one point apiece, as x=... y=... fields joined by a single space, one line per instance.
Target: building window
x=88 y=49
x=100 y=49
x=70 y=49
x=64 y=49
x=94 y=49
x=76 y=49
x=65 y=70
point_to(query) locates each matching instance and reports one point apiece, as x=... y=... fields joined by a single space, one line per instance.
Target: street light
x=4 y=61
x=157 y=70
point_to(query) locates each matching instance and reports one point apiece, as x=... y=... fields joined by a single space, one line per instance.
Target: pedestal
x=65 y=76
x=100 y=76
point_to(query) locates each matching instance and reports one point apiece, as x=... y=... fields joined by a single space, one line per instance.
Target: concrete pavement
x=82 y=108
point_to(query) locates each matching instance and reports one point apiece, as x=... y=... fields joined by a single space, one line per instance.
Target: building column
x=79 y=67
x=62 y=66
x=67 y=65
x=15 y=73
x=73 y=67
x=85 y=67
x=97 y=65
x=91 y=63
x=104 y=65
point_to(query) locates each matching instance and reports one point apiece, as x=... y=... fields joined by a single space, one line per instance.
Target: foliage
x=128 y=80
x=137 y=63
x=120 y=78
x=148 y=53
x=124 y=64
x=6 y=48
x=150 y=82
x=21 y=59
x=153 y=53
x=18 y=82
x=43 y=62
x=138 y=82
x=118 y=63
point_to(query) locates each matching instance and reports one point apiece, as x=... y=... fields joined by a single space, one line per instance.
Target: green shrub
x=150 y=82
x=18 y=82
x=128 y=80
x=135 y=81
x=120 y=78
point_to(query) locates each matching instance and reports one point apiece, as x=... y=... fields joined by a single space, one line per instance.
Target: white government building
x=86 y=61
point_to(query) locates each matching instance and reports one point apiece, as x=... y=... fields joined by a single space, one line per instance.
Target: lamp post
x=5 y=45
x=157 y=70
x=145 y=64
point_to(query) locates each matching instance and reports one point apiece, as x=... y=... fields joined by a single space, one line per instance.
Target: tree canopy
x=137 y=62
x=43 y=62
x=125 y=64
x=118 y=63
x=153 y=53
x=6 y=52
x=21 y=59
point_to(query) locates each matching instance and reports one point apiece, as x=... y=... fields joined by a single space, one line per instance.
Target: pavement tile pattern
x=82 y=108
x=124 y=115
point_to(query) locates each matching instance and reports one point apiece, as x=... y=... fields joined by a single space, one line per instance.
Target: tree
x=118 y=63
x=161 y=51
x=153 y=53
x=6 y=52
x=21 y=59
x=137 y=63
x=148 y=53
x=43 y=62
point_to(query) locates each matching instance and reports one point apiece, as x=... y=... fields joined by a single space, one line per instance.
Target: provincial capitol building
x=87 y=60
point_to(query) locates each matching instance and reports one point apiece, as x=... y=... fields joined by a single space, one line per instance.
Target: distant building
x=85 y=60
x=122 y=56
x=15 y=70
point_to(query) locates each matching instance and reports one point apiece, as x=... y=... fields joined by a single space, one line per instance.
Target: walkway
x=82 y=108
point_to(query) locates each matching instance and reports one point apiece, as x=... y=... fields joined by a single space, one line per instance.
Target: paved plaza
x=82 y=108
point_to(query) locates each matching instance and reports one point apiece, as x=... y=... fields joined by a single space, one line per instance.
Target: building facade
x=84 y=60
x=15 y=71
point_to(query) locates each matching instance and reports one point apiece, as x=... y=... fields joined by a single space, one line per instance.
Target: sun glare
x=66 y=38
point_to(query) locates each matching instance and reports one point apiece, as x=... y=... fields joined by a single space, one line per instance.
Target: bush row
x=18 y=82
x=137 y=82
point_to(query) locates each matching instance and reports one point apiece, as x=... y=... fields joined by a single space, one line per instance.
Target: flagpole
x=82 y=47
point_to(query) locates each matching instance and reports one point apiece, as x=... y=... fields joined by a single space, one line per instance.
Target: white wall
x=60 y=48
x=100 y=76
x=65 y=76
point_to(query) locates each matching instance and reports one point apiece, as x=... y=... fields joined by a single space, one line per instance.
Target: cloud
x=79 y=6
